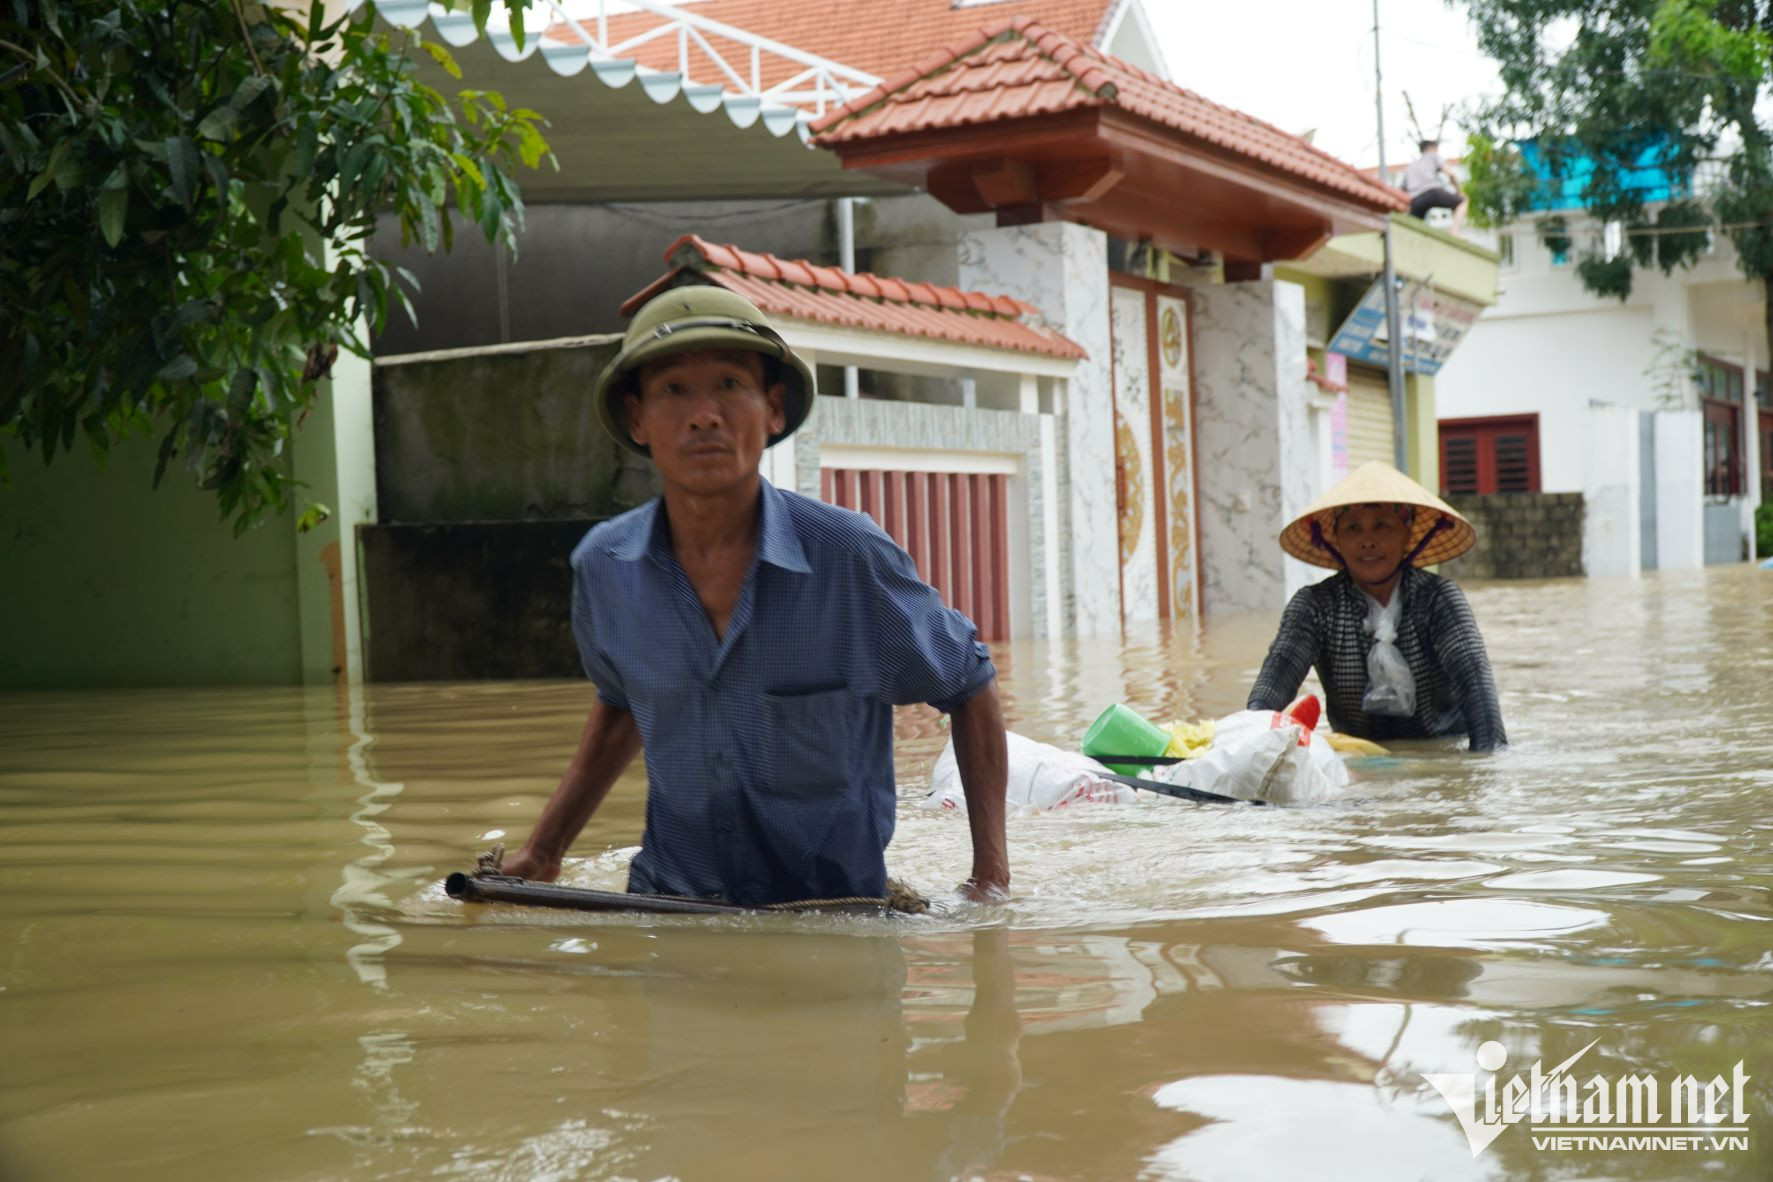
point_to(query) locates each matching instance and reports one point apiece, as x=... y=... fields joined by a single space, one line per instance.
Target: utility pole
x=846 y=258
x=1394 y=353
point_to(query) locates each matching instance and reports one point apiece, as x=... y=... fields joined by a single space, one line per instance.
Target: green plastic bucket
x=1123 y=731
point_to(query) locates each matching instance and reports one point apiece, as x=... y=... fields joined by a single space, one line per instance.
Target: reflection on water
x=227 y=951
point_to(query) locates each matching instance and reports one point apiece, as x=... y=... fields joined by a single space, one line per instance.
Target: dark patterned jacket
x=1437 y=635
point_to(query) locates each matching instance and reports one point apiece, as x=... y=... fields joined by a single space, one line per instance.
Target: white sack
x=1254 y=759
x=1041 y=777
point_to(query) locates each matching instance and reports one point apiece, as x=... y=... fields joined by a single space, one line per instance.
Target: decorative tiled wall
x=1135 y=471
x=1062 y=269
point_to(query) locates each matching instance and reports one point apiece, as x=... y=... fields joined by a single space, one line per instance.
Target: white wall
x=1611 y=537
x=1555 y=366
x=1680 y=488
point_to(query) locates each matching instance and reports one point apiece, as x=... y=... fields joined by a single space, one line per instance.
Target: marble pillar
x=1062 y=270
x=1253 y=441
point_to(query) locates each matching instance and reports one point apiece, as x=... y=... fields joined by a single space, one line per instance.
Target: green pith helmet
x=687 y=318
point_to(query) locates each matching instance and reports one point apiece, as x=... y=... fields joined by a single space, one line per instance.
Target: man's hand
x=983 y=756
x=609 y=743
x=527 y=863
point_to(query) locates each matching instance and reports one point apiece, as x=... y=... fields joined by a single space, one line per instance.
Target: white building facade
x=1657 y=408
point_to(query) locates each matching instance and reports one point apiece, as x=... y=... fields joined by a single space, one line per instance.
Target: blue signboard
x=1433 y=324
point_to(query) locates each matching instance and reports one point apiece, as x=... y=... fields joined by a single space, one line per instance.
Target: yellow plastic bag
x=1351 y=745
x=1189 y=740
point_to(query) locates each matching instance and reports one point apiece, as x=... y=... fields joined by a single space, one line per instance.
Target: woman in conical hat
x=1396 y=647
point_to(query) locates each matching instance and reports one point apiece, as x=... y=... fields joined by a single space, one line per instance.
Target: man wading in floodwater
x=754 y=641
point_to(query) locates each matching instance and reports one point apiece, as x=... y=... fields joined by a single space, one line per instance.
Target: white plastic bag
x=1041 y=777
x=1264 y=755
x=1391 y=687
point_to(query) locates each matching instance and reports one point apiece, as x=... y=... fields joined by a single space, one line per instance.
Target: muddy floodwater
x=226 y=953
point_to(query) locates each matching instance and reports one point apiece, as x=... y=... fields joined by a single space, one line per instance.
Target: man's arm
x=609 y=743
x=983 y=756
x=1441 y=170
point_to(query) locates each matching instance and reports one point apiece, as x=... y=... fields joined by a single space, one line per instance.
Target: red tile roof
x=1017 y=68
x=879 y=37
x=802 y=290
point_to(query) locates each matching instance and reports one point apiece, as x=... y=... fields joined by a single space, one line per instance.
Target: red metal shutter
x=954 y=525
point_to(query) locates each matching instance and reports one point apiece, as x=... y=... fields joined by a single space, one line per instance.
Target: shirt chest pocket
x=807 y=741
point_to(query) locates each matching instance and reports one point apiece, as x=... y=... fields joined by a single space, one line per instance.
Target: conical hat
x=1377 y=483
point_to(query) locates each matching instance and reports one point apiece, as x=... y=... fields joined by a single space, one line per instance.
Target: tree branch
x=31 y=59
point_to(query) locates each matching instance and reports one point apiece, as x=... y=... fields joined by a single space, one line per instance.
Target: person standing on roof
x=754 y=641
x=1431 y=185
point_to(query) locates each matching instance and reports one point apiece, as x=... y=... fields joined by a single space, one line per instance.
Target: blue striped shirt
x=769 y=752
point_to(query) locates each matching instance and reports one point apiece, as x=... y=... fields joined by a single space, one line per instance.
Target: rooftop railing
x=752 y=76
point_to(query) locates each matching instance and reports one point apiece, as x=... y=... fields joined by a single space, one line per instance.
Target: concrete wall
x=1521 y=536
x=577 y=263
x=1612 y=535
x=1680 y=491
x=503 y=434
x=464 y=601
x=490 y=464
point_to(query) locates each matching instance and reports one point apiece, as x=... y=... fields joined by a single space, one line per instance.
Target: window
x=1764 y=389
x=1505 y=251
x=1721 y=380
x=1721 y=391
x=1490 y=455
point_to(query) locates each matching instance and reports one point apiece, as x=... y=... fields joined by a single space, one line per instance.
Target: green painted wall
x=108 y=582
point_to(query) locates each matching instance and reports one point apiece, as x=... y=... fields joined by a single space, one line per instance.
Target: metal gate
x=955 y=526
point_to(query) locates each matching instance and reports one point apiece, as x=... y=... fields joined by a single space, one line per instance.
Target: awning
x=1033 y=125
x=624 y=132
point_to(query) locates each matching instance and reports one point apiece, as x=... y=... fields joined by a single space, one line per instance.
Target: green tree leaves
x=187 y=194
x=1617 y=83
